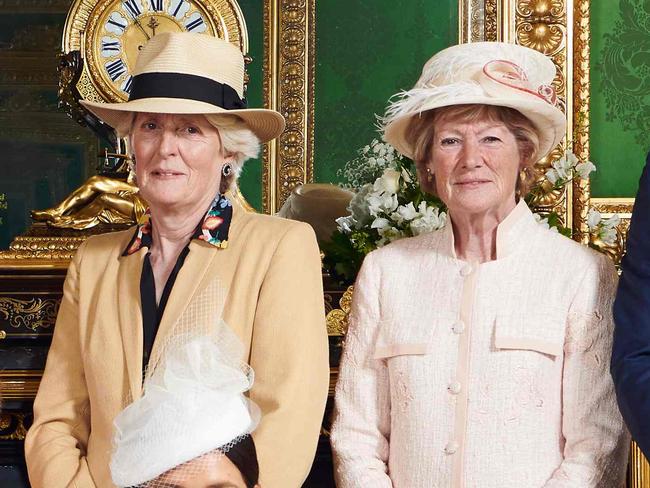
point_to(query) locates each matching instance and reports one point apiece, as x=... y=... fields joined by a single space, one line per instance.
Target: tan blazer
x=275 y=304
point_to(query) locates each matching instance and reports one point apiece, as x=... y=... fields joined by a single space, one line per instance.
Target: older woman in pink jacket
x=477 y=355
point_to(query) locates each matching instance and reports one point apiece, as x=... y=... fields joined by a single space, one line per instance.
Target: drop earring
x=429 y=175
x=226 y=170
x=226 y=176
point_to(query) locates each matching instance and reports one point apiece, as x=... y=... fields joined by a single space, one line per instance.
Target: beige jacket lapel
x=191 y=279
x=130 y=316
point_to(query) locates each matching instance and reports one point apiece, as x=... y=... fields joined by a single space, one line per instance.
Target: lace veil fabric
x=193 y=408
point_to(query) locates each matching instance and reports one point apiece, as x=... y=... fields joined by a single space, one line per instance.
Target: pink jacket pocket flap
x=393 y=350
x=539 y=345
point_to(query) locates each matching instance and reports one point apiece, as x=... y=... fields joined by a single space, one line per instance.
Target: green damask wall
x=366 y=51
x=620 y=95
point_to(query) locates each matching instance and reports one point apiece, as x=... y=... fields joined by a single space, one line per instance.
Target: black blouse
x=213 y=229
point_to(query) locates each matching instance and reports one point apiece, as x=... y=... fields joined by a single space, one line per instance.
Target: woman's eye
x=491 y=139
x=192 y=130
x=449 y=141
x=149 y=125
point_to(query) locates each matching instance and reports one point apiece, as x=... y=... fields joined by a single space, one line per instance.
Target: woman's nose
x=471 y=156
x=168 y=144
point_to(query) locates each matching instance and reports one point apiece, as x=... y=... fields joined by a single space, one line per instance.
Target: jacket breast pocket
x=408 y=335
x=541 y=333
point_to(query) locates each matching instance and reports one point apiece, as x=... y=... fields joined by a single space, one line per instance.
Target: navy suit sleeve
x=630 y=365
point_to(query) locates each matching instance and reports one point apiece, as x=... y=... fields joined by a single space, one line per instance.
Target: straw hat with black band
x=176 y=73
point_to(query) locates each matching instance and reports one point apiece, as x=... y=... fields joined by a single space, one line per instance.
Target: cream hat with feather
x=185 y=73
x=489 y=73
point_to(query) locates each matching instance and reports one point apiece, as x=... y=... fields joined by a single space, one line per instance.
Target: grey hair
x=237 y=139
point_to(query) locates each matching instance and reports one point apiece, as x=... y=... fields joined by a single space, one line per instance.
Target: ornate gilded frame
x=289 y=60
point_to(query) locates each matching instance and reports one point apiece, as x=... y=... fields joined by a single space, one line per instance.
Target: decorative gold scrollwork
x=543 y=37
x=31 y=314
x=337 y=319
x=12 y=427
x=290 y=159
x=490 y=22
x=540 y=8
x=45 y=248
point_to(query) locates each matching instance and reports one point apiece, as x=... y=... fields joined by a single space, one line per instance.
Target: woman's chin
x=473 y=202
x=167 y=200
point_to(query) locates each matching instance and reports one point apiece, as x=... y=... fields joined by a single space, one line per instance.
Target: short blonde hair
x=421 y=130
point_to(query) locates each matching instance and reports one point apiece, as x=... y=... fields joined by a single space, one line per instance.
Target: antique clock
x=108 y=35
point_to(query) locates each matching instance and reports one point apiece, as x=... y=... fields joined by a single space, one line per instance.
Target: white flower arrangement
x=370 y=163
x=381 y=206
x=567 y=168
x=388 y=205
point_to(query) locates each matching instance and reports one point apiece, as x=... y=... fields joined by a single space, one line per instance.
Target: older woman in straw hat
x=190 y=132
x=477 y=355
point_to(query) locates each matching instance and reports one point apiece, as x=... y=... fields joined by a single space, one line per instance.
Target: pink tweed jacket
x=490 y=375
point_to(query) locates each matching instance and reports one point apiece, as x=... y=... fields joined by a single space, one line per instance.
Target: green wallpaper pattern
x=366 y=51
x=620 y=95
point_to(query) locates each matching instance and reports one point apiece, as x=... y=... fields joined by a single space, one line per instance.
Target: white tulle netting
x=192 y=409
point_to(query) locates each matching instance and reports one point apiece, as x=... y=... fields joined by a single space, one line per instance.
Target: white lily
x=380 y=223
x=388 y=181
x=381 y=203
x=552 y=176
x=345 y=224
x=593 y=219
x=404 y=213
x=611 y=222
x=563 y=167
x=430 y=219
x=585 y=169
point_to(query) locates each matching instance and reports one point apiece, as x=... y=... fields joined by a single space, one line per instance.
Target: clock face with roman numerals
x=124 y=26
x=110 y=33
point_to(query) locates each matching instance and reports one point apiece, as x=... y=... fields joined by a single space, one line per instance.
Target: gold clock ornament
x=109 y=34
